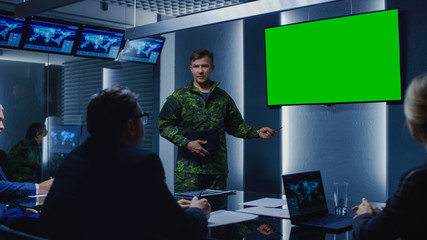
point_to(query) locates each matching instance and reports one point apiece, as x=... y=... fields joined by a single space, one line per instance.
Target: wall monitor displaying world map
x=99 y=43
x=145 y=50
x=47 y=35
x=61 y=37
x=11 y=30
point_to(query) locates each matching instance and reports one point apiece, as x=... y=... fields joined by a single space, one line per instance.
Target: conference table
x=252 y=230
x=280 y=228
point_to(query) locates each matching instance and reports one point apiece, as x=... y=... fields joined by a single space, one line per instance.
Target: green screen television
x=339 y=60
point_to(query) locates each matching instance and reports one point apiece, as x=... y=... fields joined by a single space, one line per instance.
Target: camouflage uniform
x=187 y=109
x=24 y=161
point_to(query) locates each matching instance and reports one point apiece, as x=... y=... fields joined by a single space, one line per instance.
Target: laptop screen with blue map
x=307 y=203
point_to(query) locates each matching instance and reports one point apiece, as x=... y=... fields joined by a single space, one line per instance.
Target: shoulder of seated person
x=417 y=175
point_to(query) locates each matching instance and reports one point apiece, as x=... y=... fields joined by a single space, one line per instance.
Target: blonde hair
x=415 y=105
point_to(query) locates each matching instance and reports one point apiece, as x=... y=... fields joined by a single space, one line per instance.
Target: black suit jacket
x=405 y=214
x=109 y=190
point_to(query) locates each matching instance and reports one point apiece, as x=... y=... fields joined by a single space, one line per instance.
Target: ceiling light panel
x=175 y=8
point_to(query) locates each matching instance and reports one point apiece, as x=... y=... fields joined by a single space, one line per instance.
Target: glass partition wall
x=54 y=89
x=57 y=96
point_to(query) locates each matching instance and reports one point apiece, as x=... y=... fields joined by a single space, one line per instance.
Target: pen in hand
x=200 y=194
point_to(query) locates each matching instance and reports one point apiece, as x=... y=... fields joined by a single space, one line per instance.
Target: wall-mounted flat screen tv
x=63 y=138
x=346 y=59
x=51 y=35
x=11 y=30
x=143 y=50
x=99 y=43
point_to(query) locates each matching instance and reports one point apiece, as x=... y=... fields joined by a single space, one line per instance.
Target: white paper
x=224 y=217
x=267 y=211
x=266 y=202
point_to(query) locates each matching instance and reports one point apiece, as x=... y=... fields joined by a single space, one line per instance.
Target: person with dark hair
x=18 y=189
x=201 y=106
x=405 y=214
x=24 y=158
x=110 y=188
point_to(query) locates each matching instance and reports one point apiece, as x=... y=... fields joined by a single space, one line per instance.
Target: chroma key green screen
x=346 y=59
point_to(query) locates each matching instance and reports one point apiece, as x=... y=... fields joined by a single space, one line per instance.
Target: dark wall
x=404 y=152
x=262 y=163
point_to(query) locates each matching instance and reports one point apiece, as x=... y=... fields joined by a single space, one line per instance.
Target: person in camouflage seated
x=24 y=158
x=202 y=105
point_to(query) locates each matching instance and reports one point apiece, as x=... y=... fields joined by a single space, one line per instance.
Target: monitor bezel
x=54 y=128
x=52 y=21
x=402 y=90
x=97 y=28
x=150 y=37
x=23 y=32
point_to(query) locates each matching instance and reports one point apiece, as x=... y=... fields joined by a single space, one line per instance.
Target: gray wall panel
x=262 y=157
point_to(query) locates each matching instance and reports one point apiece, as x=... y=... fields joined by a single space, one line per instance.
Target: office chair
x=7 y=233
x=3 y=160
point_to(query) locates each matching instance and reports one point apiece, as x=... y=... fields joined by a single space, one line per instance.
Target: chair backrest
x=3 y=164
x=3 y=158
x=7 y=233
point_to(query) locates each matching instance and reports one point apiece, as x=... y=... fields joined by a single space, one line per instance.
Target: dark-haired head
x=109 y=110
x=200 y=53
x=35 y=129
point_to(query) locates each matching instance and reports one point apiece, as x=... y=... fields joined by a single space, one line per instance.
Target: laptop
x=307 y=203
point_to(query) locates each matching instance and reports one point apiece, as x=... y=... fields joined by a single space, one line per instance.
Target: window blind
x=83 y=78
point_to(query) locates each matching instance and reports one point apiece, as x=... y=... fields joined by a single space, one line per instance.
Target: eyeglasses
x=144 y=117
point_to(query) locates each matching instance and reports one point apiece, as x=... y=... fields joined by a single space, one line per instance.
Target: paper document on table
x=266 y=202
x=266 y=211
x=224 y=217
x=204 y=193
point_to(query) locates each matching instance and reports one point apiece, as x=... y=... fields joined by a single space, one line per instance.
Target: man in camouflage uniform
x=24 y=158
x=202 y=105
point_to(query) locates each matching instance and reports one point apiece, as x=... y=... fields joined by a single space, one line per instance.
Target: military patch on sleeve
x=170 y=107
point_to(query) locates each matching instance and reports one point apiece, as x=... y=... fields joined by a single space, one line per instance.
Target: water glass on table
x=340 y=198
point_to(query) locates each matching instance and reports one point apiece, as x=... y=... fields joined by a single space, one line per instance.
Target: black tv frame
x=49 y=21
x=67 y=148
x=402 y=80
x=97 y=28
x=163 y=39
x=23 y=32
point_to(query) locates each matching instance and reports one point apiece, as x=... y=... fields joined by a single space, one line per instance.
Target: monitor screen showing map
x=51 y=36
x=99 y=43
x=144 y=50
x=63 y=138
x=11 y=30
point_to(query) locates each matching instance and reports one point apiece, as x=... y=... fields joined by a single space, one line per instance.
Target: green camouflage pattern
x=186 y=110
x=187 y=182
x=24 y=162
